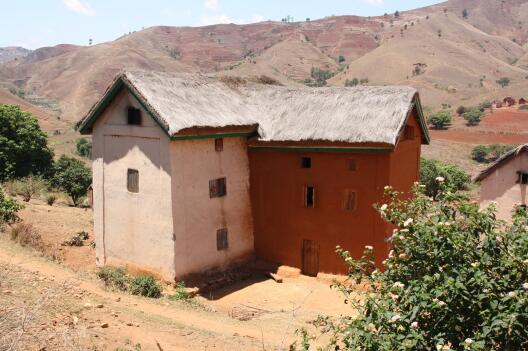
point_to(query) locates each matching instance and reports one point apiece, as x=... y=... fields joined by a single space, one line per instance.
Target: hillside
x=12 y=52
x=459 y=58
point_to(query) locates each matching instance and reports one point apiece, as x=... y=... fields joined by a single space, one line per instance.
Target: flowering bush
x=8 y=208
x=456 y=279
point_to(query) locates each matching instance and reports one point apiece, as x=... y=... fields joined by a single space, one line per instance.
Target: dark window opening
x=408 y=133
x=219 y=144
x=352 y=165
x=523 y=178
x=309 y=197
x=217 y=187
x=134 y=116
x=133 y=180
x=306 y=162
x=349 y=200
x=221 y=239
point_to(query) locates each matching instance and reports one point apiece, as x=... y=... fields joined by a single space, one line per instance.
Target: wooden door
x=310 y=257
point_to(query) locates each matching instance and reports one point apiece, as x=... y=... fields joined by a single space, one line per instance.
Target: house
x=505 y=182
x=522 y=101
x=509 y=101
x=193 y=173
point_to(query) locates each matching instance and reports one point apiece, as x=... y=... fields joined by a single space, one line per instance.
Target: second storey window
x=133 y=180
x=134 y=116
x=309 y=196
x=349 y=200
x=221 y=239
x=217 y=187
x=306 y=162
x=219 y=144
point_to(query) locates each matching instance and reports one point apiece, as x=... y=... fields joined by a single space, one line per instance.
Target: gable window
x=221 y=239
x=352 y=165
x=523 y=177
x=134 y=116
x=219 y=144
x=217 y=187
x=349 y=200
x=309 y=196
x=306 y=162
x=133 y=180
x=408 y=133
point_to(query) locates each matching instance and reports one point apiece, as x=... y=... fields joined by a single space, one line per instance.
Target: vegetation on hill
x=455 y=279
x=473 y=116
x=8 y=208
x=84 y=147
x=453 y=177
x=489 y=153
x=439 y=120
x=72 y=176
x=503 y=82
x=318 y=77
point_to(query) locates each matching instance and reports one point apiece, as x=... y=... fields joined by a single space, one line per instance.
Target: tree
x=72 y=176
x=473 y=116
x=23 y=145
x=484 y=105
x=460 y=110
x=465 y=13
x=84 y=147
x=440 y=119
x=455 y=279
x=341 y=59
x=454 y=178
x=489 y=153
x=8 y=208
x=397 y=14
x=90 y=41
x=503 y=82
x=479 y=153
x=351 y=82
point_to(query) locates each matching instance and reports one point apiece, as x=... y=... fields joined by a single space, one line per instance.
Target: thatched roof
x=500 y=161
x=353 y=115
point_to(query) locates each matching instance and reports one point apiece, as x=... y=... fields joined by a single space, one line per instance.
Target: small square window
x=309 y=196
x=409 y=133
x=217 y=187
x=219 y=144
x=134 y=116
x=349 y=200
x=352 y=166
x=523 y=178
x=306 y=162
x=133 y=180
x=221 y=239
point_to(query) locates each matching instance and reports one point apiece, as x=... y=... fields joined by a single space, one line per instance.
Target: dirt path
x=174 y=325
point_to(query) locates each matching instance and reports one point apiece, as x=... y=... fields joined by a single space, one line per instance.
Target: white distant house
x=505 y=182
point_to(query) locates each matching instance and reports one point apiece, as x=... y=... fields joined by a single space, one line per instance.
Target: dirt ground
x=58 y=301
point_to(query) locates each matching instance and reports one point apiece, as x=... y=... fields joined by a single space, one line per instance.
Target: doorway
x=310 y=258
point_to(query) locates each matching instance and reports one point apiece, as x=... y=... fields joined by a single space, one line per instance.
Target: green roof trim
x=321 y=149
x=421 y=119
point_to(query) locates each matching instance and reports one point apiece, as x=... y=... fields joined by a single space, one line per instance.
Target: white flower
x=348 y=259
x=395 y=318
x=474 y=264
x=404 y=231
x=399 y=285
x=408 y=222
x=369 y=248
x=525 y=286
x=512 y=294
x=440 y=179
x=384 y=207
x=441 y=303
x=414 y=325
x=386 y=187
x=394 y=297
x=468 y=341
x=391 y=254
x=402 y=255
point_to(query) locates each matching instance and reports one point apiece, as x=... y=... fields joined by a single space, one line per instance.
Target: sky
x=37 y=23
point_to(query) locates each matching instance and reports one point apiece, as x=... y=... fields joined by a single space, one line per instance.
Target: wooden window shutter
x=133 y=180
x=221 y=239
x=309 y=196
x=349 y=200
x=352 y=166
x=219 y=144
x=134 y=116
x=217 y=187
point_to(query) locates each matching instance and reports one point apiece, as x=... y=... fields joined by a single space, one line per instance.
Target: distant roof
x=500 y=161
x=354 y=115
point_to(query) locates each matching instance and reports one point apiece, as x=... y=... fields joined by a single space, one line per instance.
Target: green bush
x=72 y=176
x=145 y=285
x=489 y=153
x=84 y=147
x=8 y=208
x=23 y=145
x=504 y=82
x=77 y=239
x=479 y=153
x=439 y=119
x=472 y=116
x=181 y=293
x=455 y=279
x=453 y=177
x=351 y=82
x=28 y=187
x=113 y=277
x=484 y=105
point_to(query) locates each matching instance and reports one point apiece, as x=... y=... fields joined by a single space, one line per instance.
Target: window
x=309 y=196
x=306 y=162
x=349 y=200
x=221 y=239
x=134 y=116
x=408 y=133
x=219 y=144
x=523 y=178
x=352 y=165
x=133 y=180
x=217 y=187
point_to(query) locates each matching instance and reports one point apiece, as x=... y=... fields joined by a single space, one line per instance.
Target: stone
x=104 y=325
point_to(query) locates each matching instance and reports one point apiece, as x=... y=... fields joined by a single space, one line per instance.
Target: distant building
x=522 y=101
x=505 y=182
x=192 y=172
x=509 y=101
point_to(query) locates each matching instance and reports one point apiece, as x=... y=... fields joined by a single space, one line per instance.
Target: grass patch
x=142 y=285
x=181 y=293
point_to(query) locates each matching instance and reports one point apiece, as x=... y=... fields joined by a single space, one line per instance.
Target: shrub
x=484 y=105
x=28 y=187
x=145 y=285
x=473 y=116
x=8 y=208
x=503 y=82
x=23 y=145
x=26 y=235
x=479 y=153
x=454 y=177
x=113 y=277
x=440 y=119
x=351 y=82
x=489 y=153
x=341 y=59
x=51 y=198
x=84 y=148
x=455 y=279
x=181 y=293
x=77 y=239
x=73 y=177
x=460 y=110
